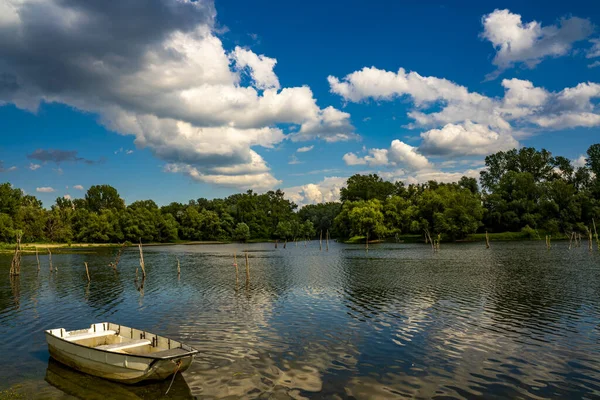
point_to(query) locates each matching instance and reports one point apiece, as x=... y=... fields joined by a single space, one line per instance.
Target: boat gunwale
x=188 y=354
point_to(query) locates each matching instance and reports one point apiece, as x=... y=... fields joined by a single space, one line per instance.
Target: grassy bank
x=9 y=248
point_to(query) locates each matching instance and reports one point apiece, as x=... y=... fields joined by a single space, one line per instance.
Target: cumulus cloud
x=399 y=154
x=495 y=120
x=33 y=166
x=305 y=149
x=260 y=67
x=78 y=187
x=45 y=189
x=594 y=64
x=167 y=80
x=529 y=43
x=67 y=196
x=324 y=191
x=465 y=139
x=580 y=161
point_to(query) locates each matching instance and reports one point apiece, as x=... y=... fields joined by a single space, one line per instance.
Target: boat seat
x=125 y=345
x=90 y=335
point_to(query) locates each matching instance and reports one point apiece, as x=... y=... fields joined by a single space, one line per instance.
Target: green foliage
x=366 y=187
x=241 y=232
x=524 y=191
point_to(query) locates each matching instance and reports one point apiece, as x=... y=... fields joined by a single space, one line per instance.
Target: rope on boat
x=178 y=363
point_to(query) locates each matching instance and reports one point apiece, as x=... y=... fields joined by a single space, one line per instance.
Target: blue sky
x=175 y=100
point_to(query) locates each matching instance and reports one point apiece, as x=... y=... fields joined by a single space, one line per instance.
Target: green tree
x=242 y=232
x=366 y=187
x=103 y=197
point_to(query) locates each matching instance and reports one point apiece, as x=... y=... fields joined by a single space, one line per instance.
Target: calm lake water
x=514 y=321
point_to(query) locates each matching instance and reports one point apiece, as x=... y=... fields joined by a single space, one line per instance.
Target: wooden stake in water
x=327 y=239
x=321 y=240
x=49 y=258
x=178 y=267
x=276 y=241
x=15 y=265
x=571 y=239
x=37 y=258
x=247 y=270
x=235 y=264
x=487 y=240
x=367 y=243
x=87 y=271
x=115 y=264
x=142 y=260
x=590 y=243
x=285 y=244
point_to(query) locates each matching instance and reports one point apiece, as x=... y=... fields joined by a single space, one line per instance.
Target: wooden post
x=37 y=258
x=285 y=243
x=87 y=271
x=235 y=264
x=327 y=239
x=142 y=265
x=178 y=268
x=367 y=242
x=49 y=258
x=115 y=264
x=276 y=241
x=15 y=265
x=247 y=270
x=321 y=240
x=590 y=243
x=487 y=240
x=571 y=239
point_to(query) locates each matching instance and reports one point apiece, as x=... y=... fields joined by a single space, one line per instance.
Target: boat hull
x=118 y=367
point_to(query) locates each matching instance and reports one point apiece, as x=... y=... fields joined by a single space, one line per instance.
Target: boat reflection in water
x=85 y=386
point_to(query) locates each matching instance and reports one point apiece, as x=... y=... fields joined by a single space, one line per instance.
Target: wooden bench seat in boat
x=125 y=345
x=89 y=335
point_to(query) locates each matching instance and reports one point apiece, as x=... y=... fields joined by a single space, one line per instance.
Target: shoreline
x=9 y=248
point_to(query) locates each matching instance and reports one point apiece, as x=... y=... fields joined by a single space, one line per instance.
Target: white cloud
x=67 y=196
x=129 y=152
x=465 y=139
x=45 y=189
x=325 y=191
x=260 y=66
x=399 y=154
x=579 y=161
x=78 y=187
x=594 y=64
x=353 y=159
x=594 y=51
x=407 y=156
x=305 y=149
x=168 y=81
x=33 y=166
x=438 y=102
x=529 y=43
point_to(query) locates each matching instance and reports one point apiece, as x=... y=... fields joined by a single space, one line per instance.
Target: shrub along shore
x=521 y=194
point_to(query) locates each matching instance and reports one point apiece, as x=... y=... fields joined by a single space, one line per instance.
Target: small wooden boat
x=119 y=353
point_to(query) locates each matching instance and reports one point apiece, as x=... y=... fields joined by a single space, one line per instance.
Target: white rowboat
x=119 y=353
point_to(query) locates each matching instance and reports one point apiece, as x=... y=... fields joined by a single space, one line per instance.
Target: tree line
x=519 y=190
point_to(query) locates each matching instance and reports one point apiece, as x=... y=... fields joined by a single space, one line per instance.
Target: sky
x=173 y=100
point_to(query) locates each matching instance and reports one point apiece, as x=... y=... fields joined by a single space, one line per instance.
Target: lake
x=513 y=321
